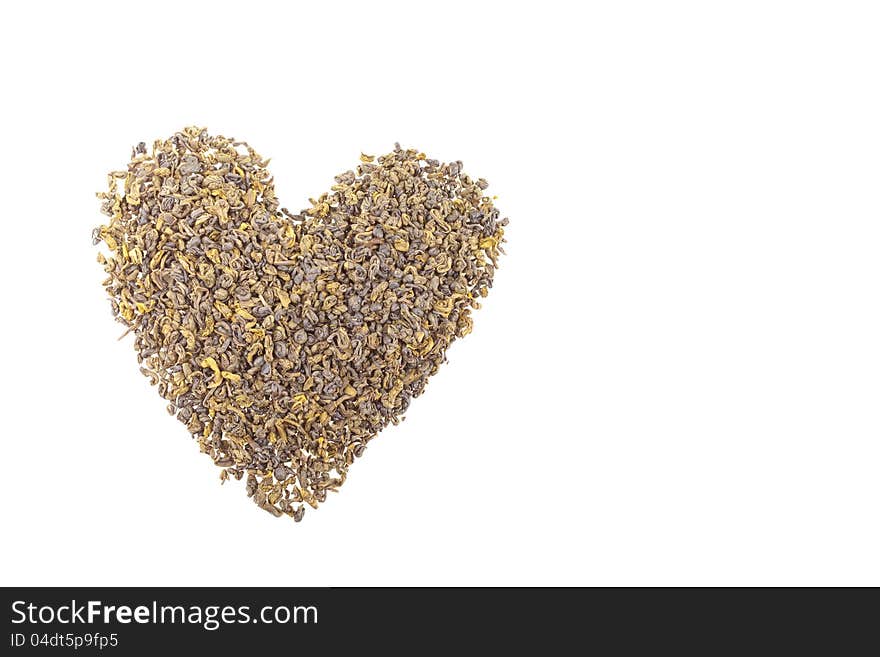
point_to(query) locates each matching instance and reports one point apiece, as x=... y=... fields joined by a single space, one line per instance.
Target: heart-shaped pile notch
x=286 y=342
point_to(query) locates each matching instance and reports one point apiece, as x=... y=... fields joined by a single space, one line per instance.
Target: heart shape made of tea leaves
x=286 y=342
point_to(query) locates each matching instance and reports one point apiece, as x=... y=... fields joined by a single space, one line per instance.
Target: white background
x=674 y=381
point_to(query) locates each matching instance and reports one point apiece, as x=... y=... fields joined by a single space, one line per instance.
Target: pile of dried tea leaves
x=286 y=342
